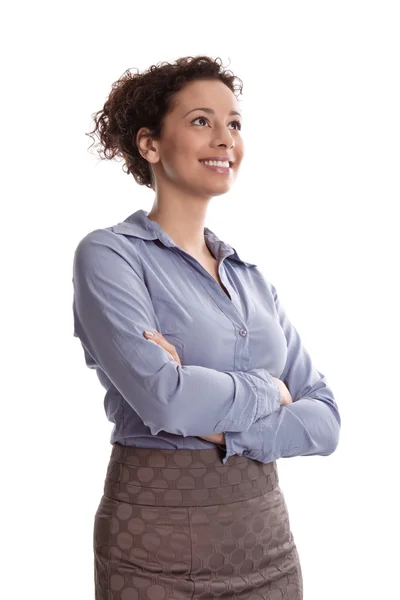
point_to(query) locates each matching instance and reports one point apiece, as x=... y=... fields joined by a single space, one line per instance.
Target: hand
x=216 y=438
x=159 y=339
x=286 y=397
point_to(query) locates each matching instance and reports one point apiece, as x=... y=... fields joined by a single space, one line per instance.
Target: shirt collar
x=139 y=225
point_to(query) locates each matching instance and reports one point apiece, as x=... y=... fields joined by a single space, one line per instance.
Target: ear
x=147 y=147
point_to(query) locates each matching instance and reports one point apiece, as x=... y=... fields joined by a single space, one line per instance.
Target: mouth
x=231 y=163
x=219 y=168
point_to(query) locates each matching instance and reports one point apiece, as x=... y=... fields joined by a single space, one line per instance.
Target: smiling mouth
x=218 y=169
x=230 y=164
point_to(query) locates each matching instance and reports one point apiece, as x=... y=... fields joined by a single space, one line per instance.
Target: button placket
x=217 y=294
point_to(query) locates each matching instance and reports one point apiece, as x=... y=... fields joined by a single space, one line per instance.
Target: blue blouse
x=132 y=277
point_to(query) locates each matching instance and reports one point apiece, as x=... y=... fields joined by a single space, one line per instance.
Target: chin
x=217 y=190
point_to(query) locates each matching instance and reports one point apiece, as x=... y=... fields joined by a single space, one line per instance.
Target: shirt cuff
x=268 y=397
x=245 y=443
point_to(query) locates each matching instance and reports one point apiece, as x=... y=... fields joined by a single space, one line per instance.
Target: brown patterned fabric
x=180 y=525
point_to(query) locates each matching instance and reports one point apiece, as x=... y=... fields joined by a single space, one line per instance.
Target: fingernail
x=149 y=332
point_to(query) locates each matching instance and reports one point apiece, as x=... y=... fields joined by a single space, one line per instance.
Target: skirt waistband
x=161 y=477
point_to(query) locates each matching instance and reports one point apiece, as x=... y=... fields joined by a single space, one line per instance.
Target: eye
x=199 y=119
x=239 y=125
x=204 y=119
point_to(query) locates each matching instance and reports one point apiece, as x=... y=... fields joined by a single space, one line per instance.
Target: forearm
x=306 y=427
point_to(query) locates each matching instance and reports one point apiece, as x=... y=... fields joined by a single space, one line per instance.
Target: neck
x=184 y=222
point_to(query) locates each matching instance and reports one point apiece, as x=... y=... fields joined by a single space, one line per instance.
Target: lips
x=222 y=158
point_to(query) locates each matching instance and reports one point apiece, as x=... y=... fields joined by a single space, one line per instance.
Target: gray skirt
x=179 y=525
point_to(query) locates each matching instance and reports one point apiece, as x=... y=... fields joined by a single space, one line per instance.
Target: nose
x=224 y=137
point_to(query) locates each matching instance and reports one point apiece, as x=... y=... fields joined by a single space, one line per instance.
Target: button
x=242 y=332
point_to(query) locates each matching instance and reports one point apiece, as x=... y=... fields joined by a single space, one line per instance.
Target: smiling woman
x=192 y=506
x=140 y=106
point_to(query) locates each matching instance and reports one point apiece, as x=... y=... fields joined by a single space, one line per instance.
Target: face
x=191 y=134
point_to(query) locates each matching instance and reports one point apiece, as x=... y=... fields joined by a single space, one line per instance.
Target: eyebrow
x=212 y=112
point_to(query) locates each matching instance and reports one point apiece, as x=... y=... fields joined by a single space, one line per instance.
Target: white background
x=315 y=206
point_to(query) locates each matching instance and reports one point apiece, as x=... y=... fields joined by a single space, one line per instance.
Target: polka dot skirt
x=180 y=525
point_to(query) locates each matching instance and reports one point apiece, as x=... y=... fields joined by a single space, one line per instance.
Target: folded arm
x=112 y=307
x=311 y=425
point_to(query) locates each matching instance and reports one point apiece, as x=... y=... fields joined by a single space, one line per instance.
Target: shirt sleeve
x=112 y=308
x=311 y=425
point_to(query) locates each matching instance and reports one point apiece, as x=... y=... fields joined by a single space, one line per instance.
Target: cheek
x=180 y=156
x=239 y=151
x=181 y=142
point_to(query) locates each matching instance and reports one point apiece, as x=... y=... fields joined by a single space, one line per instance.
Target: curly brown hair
x=143 y=100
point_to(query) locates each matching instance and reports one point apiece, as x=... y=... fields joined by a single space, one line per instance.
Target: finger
x=158 y=338
x=154 y=335
x=160 y=345
x=149 y=334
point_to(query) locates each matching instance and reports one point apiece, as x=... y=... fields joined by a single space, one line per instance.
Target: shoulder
x=102 y=236
x=105 y=237
x=102 y=247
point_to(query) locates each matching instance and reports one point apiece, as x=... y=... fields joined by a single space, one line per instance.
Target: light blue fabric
x=132 y=277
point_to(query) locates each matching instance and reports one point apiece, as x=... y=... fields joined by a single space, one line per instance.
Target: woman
x=192 y=506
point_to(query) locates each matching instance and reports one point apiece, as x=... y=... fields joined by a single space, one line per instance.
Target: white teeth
x=216 y=163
